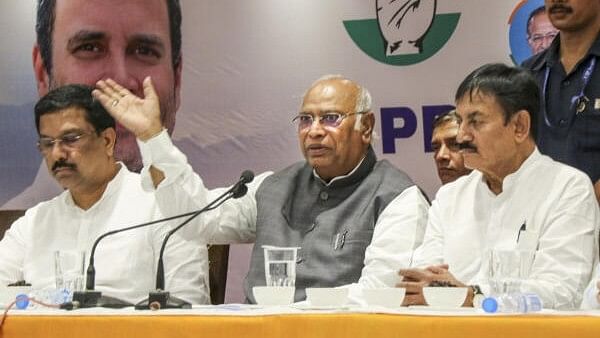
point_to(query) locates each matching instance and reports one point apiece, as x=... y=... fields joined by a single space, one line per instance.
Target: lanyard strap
x=578 y=101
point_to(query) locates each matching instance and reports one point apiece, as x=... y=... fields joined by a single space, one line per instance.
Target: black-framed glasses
x=68 y=141
x=331 y=119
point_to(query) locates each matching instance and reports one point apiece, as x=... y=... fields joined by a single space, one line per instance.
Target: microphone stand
x=160 y=299
x=92 y=298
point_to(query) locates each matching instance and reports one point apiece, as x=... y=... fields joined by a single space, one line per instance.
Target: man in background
x=569 y=78
x=540 y=31
x=448 y=159
x=83 y=41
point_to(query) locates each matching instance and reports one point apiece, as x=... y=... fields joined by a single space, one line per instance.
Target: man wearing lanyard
x=569 y=77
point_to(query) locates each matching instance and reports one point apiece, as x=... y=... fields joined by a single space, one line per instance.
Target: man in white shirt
x=83 y=41
x=355 y=218
x=515 y=198
x=77 y=138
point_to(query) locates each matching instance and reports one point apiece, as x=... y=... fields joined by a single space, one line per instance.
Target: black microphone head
x=247 y=176
x=239 y=191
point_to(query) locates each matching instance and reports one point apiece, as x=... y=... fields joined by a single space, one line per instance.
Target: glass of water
x=508 y=268
x=69 y=272
x=280 y=265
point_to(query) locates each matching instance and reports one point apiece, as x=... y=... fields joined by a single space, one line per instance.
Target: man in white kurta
x=375 y=235
x=516 y=198
x=555 y=203
x=101 y=195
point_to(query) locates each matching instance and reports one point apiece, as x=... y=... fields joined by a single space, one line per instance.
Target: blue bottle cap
x=489 y=305
x=22 y=301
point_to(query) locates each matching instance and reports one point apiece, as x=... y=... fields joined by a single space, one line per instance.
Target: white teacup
x=274 y=295
x=445 y=296
x=327 y=296
x=386 y=297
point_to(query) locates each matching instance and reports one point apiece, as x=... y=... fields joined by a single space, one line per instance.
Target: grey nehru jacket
x=295 y=208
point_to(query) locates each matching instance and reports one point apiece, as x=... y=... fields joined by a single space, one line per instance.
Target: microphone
x=92 y=298
x=160 y=299
x=240 y=189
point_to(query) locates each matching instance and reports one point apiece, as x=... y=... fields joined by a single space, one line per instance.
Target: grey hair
x=363 y=99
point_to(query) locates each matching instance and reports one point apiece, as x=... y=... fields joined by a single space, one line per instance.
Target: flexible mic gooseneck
x=163 y=299
x=92 y=298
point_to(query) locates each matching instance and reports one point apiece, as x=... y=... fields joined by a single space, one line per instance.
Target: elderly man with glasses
x=355 y=218
x=77 y=140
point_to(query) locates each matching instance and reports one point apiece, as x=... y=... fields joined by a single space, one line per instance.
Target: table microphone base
x=162 y=300
x=91 y=298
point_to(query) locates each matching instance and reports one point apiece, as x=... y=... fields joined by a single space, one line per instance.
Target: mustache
x=467 y=145
x=63 y=164
x=559 y=7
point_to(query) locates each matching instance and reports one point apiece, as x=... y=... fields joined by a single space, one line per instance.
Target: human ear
x=109 y=136
x=42 y=79
x=522 y=124
x=366 y=127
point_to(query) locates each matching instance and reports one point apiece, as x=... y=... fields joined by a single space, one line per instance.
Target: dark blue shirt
x=566 y=136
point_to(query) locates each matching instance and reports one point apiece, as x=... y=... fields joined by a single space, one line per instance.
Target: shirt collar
x=552 y=54
x=361 y=170
x=512 y=179
x=111 y=187
x=595 y=48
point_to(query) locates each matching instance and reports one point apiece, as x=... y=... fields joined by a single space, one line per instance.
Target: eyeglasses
x=330 y=119
x=539 y=38
x=68 y=141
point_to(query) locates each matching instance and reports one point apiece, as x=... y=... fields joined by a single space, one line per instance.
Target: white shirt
x=125 y=263
x=557 y=204
x=398 y=231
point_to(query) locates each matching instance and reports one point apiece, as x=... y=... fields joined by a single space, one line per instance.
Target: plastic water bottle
x=512 y=303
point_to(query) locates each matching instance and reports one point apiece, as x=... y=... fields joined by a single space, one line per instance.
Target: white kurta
x=554 y=201
x=398 y=231
x=125 y=263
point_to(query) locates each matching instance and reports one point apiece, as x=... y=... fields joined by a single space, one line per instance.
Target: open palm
x=140 y=115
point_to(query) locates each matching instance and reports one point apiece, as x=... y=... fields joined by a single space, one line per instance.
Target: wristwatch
x=477 y=296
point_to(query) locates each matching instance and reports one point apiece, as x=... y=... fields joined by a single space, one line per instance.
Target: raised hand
x=140 y=115
x=404 y=24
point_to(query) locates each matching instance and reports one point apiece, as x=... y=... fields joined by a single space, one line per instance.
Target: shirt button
x=324 y=195
x=562 y=122
x=566 y=83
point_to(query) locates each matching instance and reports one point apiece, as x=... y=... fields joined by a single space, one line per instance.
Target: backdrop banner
x=247 y=65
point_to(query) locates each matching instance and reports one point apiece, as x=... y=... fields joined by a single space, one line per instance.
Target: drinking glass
x=280 y=265
x=69 y=272
x=508 y=268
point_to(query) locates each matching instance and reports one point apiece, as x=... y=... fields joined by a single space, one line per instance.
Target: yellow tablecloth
x=301 y=325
